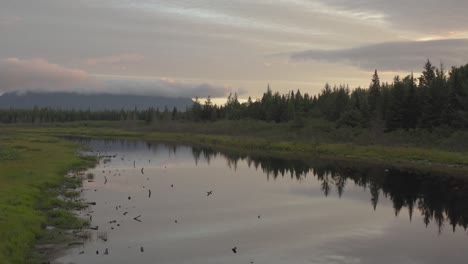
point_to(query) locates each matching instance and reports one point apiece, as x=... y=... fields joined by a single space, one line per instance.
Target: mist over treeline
x=436 y=98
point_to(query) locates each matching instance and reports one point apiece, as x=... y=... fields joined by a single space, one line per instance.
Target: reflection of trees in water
x=441 y=200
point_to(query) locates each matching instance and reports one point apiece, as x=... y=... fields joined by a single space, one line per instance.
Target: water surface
x=272 y=210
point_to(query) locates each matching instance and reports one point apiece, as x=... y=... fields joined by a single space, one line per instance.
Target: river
x=161 y=203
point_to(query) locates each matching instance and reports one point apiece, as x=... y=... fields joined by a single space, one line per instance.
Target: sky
x=213 y=48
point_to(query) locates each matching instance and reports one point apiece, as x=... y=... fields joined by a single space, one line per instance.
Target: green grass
x=63 y=219
x=398 y=153
x=32 y=169
x=289 y=146
x=8 y=153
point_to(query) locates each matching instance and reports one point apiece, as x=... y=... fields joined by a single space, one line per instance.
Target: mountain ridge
x=98 y=101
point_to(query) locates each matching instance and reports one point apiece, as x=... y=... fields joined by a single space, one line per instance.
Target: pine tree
x=428 y=76
x=426 y=89
x=196 y=110
x=174 y=113
x=410 y=103
x=455 y=114
x=374 y=93
x=395 y=114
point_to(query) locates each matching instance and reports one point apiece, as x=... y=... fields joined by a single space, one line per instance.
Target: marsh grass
x=7 y=153
x=316 y=138
x=71 y=194
x=32 y=169
x=90 y=176
x=64 y=219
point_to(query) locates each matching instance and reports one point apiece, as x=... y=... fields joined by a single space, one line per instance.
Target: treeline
x=437 y=98
x=48 y=115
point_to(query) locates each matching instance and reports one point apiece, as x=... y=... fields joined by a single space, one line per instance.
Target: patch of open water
x=270 y=210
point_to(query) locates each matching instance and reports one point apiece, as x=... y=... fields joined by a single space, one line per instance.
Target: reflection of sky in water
x=297 y=224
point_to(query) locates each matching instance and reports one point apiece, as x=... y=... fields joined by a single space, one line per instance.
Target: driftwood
x=137 y=218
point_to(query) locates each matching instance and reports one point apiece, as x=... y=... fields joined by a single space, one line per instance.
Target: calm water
x=272 y=210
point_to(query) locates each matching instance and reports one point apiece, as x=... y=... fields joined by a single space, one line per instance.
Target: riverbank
x=32 y=177
x=404 y=156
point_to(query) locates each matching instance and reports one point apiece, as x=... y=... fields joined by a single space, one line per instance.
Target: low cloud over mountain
x=40 y=75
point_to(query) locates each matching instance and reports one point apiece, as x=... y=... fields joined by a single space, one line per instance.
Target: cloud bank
x=394 y=56
x=39 y=75
x=163 y=87
x=115 y=59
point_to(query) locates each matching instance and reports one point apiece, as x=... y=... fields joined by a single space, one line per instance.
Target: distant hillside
x=61 y=100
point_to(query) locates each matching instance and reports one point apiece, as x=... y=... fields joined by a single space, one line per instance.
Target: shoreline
x=412 y=158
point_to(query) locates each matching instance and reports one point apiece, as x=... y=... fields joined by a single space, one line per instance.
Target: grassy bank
x=32 y=170
x=289 y=145
x=314 y=131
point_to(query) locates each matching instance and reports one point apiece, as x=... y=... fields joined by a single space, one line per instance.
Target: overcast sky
x=201 y=47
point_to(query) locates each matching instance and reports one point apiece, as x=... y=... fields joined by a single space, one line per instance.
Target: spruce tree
x=374 y=93
x=426 y=89
x=395 y=114
x=410 y=103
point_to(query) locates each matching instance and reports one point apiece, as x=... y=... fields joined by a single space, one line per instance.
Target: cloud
x=340 y=8
x=8 y=20
x=216 y=13
x=39 y=75
x=394 y=56
x=164 y=87
x=115 y=59
x=428 y=16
